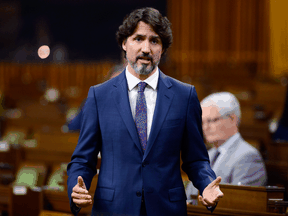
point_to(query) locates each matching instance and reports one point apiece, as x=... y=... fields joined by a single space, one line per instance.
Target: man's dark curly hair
x=150 y=16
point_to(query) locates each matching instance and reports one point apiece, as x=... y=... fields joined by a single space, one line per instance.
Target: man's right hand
x=80 y=195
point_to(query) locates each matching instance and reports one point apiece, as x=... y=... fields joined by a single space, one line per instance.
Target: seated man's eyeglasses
x=216 y=119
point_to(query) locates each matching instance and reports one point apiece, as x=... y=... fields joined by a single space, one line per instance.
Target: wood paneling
x=279 y=37
x=208 y=32
x=23 y=81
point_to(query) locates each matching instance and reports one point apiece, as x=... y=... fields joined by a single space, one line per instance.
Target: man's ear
x=124 y=45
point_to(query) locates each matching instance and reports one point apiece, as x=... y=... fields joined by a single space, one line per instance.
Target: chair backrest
x=31 y=174
x=56 y=179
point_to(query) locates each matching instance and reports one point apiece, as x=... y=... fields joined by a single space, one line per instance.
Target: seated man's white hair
x=226 y=102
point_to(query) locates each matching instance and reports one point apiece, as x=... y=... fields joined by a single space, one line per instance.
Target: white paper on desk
x=4 y=146
x=20 y=190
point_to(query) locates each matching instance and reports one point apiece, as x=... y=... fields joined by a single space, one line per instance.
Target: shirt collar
x=133 y=81
x=226 y=145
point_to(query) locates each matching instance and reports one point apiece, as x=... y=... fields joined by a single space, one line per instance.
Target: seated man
x=236 y=161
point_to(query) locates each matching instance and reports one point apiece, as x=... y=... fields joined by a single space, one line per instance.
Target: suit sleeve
x=84 y=159
x=194 y=153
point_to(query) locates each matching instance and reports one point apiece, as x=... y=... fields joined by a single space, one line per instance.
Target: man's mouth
x=144 y=59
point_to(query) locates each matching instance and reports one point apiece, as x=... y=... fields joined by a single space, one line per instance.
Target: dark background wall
x=85 y=28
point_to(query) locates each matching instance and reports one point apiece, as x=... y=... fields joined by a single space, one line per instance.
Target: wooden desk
x=29 y=204
x=53 y=213
x=4 y=197
x=238 y=200
x=247 y=200
x=200 y=211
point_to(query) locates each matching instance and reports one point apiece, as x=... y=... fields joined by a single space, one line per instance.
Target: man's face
x=217 y=128
x=143 y=50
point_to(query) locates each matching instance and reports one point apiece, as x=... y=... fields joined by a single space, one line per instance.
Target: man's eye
x=138 y=39
x=154 y=41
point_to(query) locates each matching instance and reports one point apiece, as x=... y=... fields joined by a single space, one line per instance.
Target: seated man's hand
x=80 y=194
x=211 y=194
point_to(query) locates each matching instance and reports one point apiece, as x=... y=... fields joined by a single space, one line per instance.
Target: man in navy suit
x=140 y=121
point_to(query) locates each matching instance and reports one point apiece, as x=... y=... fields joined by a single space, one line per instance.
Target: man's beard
x=143 y=69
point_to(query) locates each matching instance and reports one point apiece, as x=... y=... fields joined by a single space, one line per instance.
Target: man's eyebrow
x=152 y=37
x=139 y=35
x=155 y=37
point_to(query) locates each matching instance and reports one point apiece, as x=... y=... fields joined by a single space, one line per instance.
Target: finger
x=82 y=203
x=220 y=194
x=217 y=180
x=210 y=202
x=81 y=196
x=81 y=182
x=78 y=189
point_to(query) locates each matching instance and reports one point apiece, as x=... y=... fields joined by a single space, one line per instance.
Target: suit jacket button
x=143 y=164
x=138 y=193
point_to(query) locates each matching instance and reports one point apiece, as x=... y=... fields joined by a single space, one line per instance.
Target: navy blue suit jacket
x=108 y=127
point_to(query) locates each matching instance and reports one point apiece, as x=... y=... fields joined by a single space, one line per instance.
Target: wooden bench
x=246 y=200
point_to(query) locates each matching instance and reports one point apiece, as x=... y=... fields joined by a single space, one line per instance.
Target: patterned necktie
x=215 y=158
x=141 y=115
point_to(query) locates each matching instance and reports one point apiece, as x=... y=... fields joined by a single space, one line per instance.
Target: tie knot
x=141 y=86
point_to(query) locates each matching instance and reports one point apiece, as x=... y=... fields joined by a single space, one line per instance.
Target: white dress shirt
x=150 y=93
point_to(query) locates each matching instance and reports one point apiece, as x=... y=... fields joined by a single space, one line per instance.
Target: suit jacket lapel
x=226 y=157
x=163 y=102
x=120 y=94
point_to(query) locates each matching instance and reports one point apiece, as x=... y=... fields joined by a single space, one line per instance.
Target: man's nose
x=146 y=47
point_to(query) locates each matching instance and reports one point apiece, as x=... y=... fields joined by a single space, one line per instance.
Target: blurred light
x=71 y=113
x=273 y=125
x=52 y=95
x=44 y=51
x=13 y=114
x=245 y=95
x=19 y=190
x=65 y=129
x=31 y=143
x=59 y=55
x=15 y=138
x=4 y=146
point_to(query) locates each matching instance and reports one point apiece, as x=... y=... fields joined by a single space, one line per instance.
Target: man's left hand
x=211 y=194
